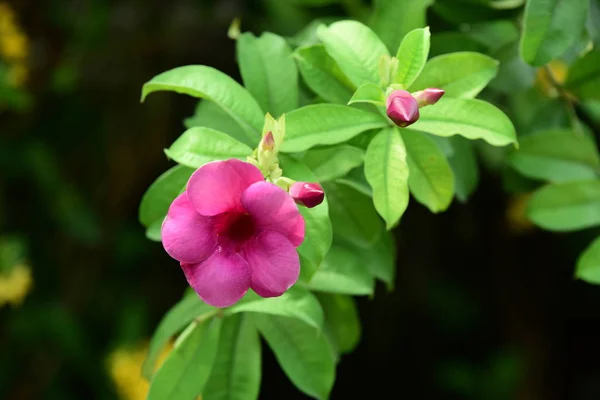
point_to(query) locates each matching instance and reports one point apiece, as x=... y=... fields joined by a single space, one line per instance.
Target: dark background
x=484 y=305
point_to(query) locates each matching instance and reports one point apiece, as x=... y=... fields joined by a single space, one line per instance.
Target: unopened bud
x=268 y=142
x=428 y=96
x=307 y=194
x=402 y=108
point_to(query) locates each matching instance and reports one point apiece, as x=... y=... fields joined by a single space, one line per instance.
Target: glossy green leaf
x=353 y=216
x=392 y=19
x=471 y=118
x=159 y=196
x=412 y=56
x=302 y=352
x=197 y=146
x=550 y=27
x=188 y=366
x=343 y=271
x=368 y=93
x=556 y=156
x=333 y=162
x=209 y=83
x=462 y=74
x=322 y=74
x=566 y=206
x=296 y=303
x=465 y=168
x=588 y=264
x=208 y=114
x=322 y=124
x=269 y=71
x=236 y=371
x=185 y=311
x=318 y=228
x=342 y=323
x=356 y=49
x=386 y=170
x=430 y=180
x=584 y=77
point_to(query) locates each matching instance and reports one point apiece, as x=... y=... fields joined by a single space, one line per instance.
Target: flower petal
x=216 y=187
x=274 y=263
x=274 y=210
x=221 y=280
x=186 y=235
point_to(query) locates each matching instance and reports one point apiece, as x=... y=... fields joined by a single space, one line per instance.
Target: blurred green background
x=484 y=305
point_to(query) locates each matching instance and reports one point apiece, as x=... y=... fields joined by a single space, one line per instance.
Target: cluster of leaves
x=337 y=133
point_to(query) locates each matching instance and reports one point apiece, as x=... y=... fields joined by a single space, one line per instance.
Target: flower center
x=236 y=227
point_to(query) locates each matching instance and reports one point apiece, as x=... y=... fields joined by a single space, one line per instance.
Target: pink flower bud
x=402 y=108
x=428 y=96
x=268 y=142
x=307 y=194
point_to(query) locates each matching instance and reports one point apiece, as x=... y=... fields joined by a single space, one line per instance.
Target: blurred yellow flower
x=547 y=84
x=17 y=75
x=516 y=213
x=14 y=46
x=15 y=285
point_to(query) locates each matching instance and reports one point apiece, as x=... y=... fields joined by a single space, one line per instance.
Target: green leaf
x=550 y=27
x=392 y=19
x=236 y=371
x=322 y=74
x=318 y=229
x=584 y=77
x=356 y=49
x=462 y=74
x=556 y=156
x=188 y=366
x=566 y=206
x=352 y=215
x=465 y=168
x=296 y=303
x=210 y=115
x=368 y=93
x=159 y=196
x=185 y=311
x=197 y=146
x=380 y=258
x=343 y=271
x=412 y=56
x=588 y=264
x=302 y=352
x=333 y=162
x=209 y=83
x=471 y=118
x=430 y=180
x=268 y=71
x=322 y=124
x=342 y=323
x=386 y=170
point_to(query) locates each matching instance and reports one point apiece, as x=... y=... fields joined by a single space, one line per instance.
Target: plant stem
x=562 y=93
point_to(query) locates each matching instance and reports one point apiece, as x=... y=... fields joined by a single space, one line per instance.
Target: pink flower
x=232 y=231
x=402 y=108
x=428 y=96
x=307 y=194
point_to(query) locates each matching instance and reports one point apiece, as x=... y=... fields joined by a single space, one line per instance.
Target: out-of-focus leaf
x=588 y=264
x=465 y=168
x=556 y=156
x=452 y=42
x=187 y=368
x=584 y=76
x=333 y=162
x=387 y=172
x=268 y=71
x=209 y=83
x=550 y=27
x=356 y=49
x=302 y=352
x=380 y=258
x=342 y=323
x=208 y=114
x=197 y=146
x=322 y=124
x=236 y=371
x=471 y=118
x=566 y=206
x=463 y=74
x=392 y=19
